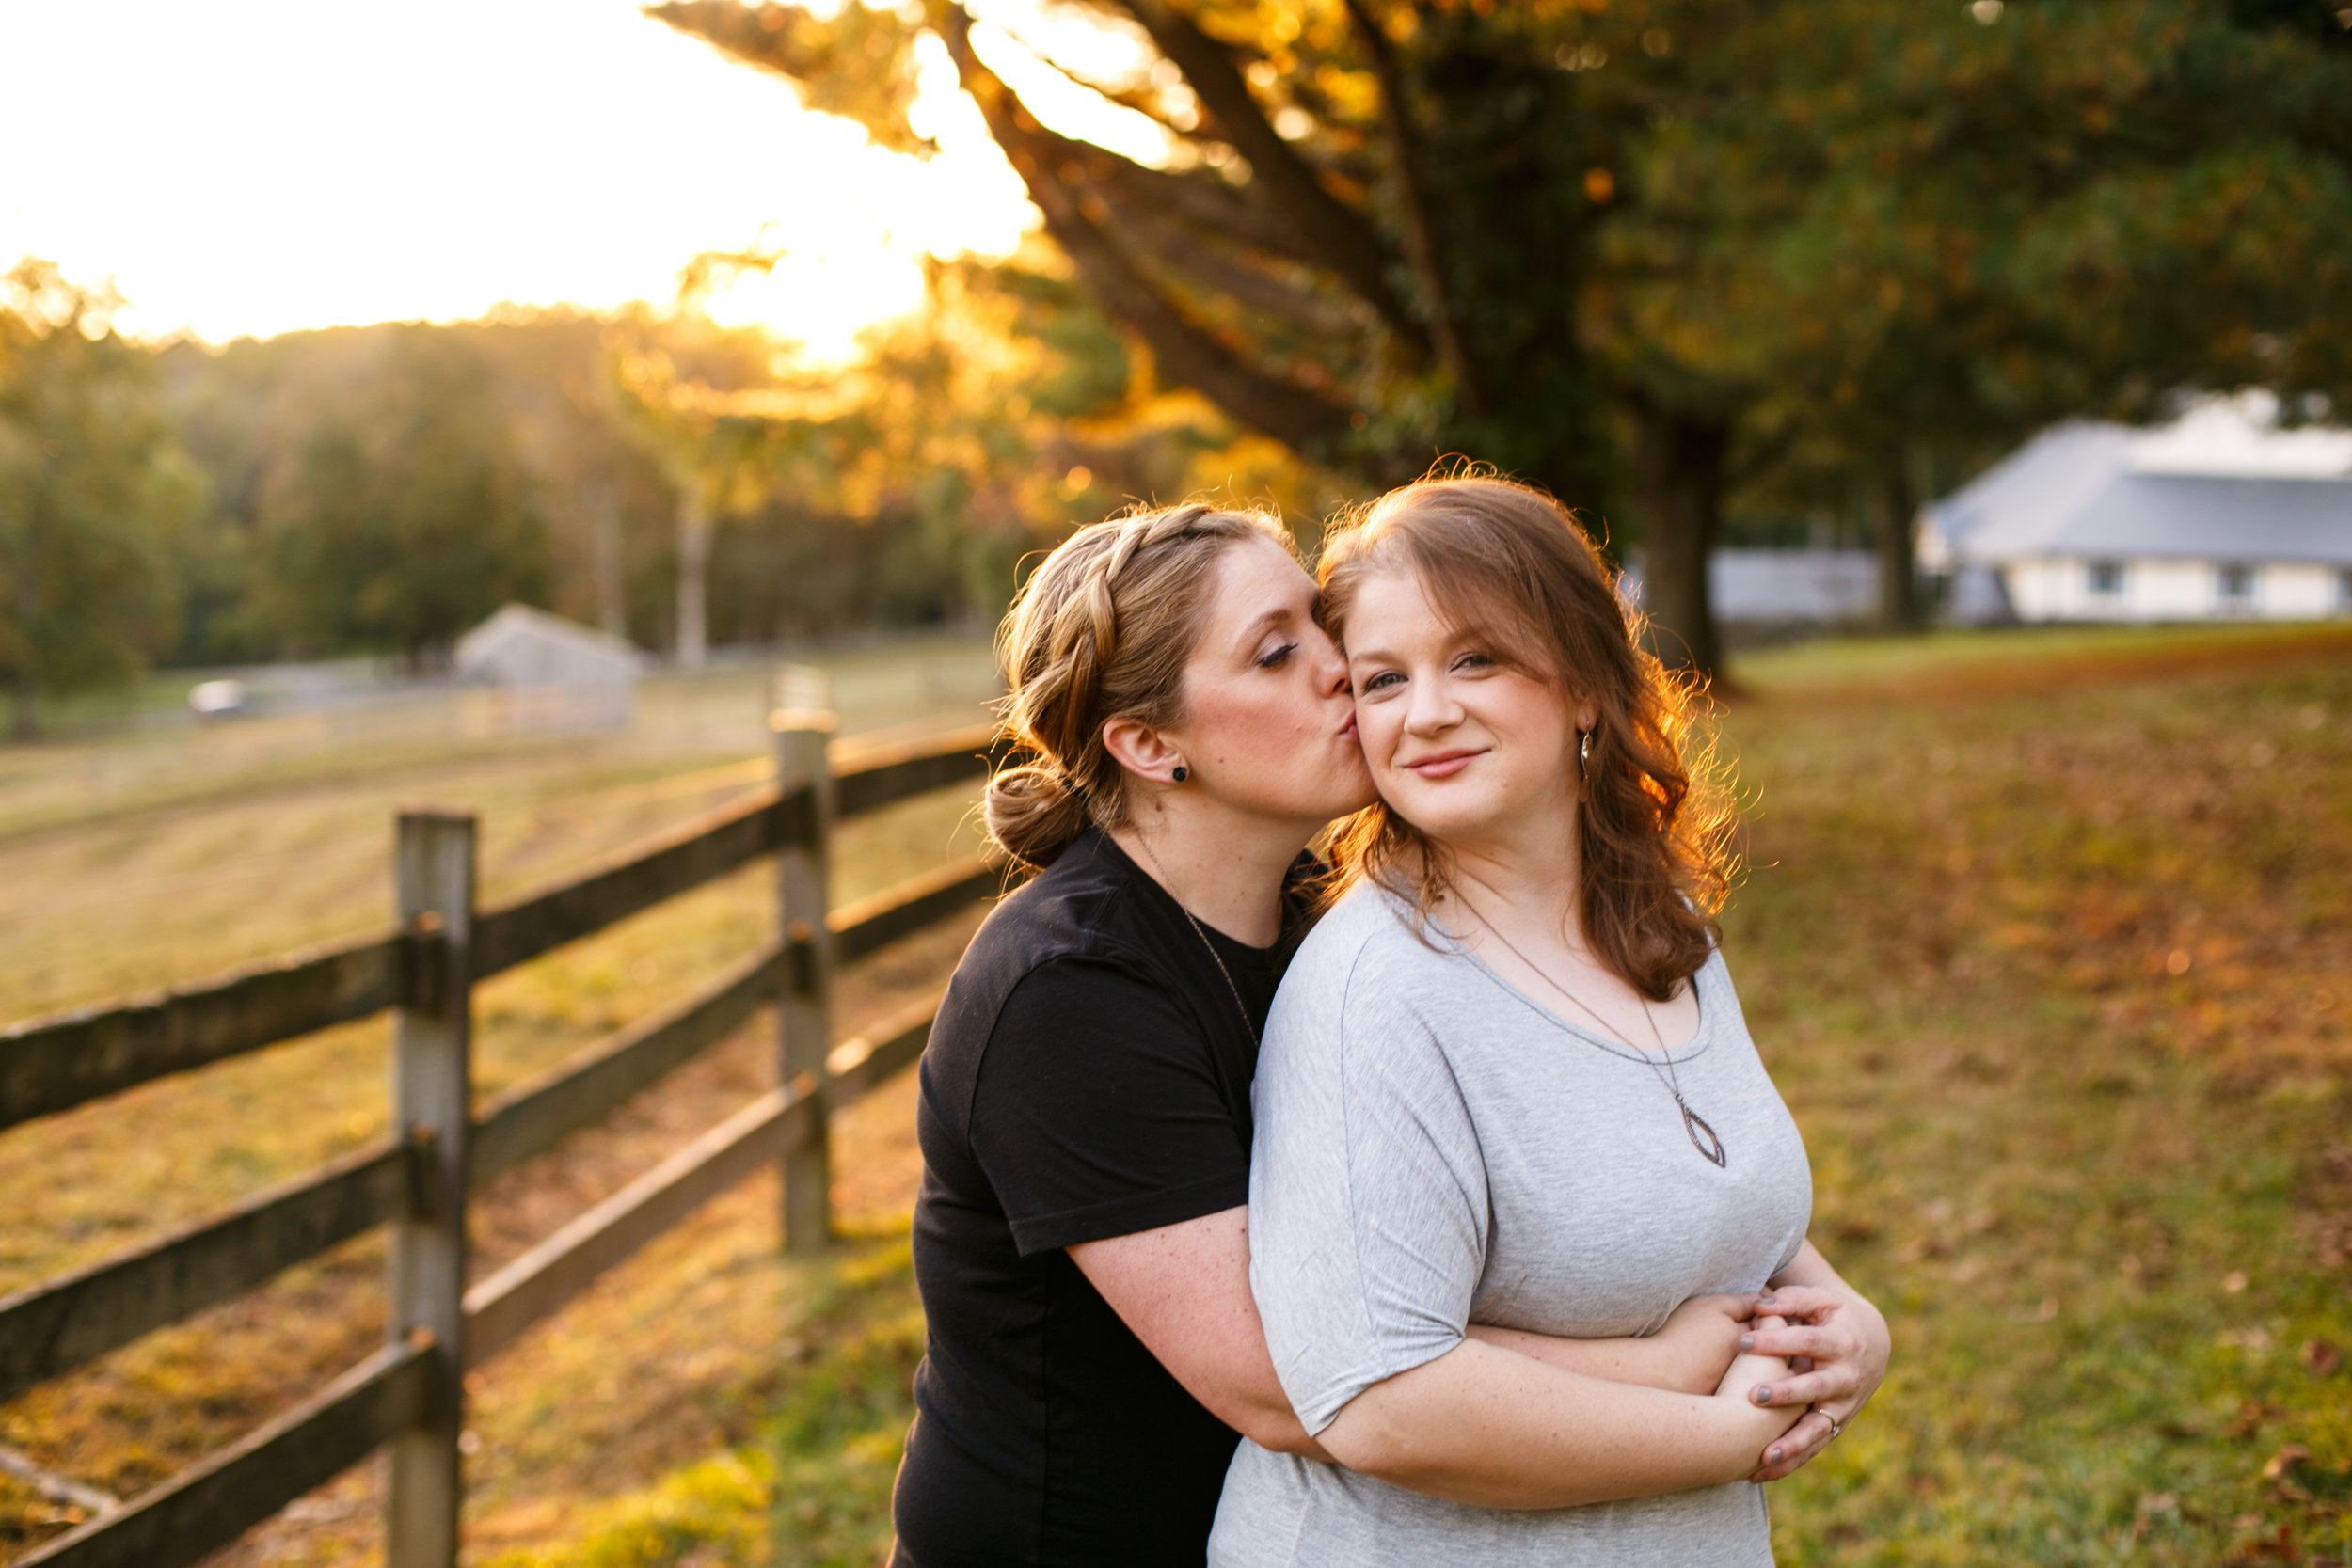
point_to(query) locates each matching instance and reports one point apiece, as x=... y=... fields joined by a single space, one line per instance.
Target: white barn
x=2218 y=516
x=549 y=674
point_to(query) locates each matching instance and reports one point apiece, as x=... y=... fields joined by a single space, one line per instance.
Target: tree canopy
x=1646 y=252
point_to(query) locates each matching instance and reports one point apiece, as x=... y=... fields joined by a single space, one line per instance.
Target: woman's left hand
x=1837 y=1344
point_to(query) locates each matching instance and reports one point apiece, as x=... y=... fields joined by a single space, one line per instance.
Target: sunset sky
x=250 y=166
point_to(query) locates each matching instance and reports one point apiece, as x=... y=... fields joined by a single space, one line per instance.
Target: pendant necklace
x=1702 y=1137
x=1169 y=886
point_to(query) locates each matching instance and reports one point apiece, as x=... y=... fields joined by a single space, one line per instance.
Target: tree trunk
x=604 y=538
x=28 y=727
x=694 y=565
x=1681 y=466
x=1899 y=594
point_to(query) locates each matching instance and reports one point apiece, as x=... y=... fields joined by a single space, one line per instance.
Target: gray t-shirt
x=1435 y=1149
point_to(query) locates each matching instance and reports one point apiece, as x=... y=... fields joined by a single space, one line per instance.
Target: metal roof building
x=2219 y=516
x=551 y=673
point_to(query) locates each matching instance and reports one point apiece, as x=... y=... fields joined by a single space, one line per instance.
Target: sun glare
x=254 y=167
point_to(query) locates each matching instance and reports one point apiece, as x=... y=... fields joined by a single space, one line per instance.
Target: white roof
x=522 y=646
x=2219 y=484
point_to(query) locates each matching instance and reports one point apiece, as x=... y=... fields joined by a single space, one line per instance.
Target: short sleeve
x=1097 y=1111
x=1368 y=1196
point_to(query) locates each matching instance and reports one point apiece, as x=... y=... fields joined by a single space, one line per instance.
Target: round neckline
x=1690 y=1050
x=1234 y=946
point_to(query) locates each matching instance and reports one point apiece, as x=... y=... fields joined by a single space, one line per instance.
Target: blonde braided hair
x=1101 y=630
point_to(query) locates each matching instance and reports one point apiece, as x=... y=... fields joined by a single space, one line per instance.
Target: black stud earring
x=1179 y=775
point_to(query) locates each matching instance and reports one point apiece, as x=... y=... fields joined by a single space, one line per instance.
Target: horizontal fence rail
x=519 y=1294
x=51 y=1328
x=535 y=1116
x=559 y=1268
x=210 y=1504
x=516 y=932
x=406 y=1395
x=53 y=1064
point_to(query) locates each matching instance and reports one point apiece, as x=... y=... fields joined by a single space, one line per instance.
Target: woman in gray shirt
x=1507 y=1082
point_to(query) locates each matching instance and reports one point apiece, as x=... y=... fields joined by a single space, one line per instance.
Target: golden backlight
x=253 y=166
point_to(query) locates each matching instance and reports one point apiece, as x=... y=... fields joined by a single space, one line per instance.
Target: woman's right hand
x=1748 y=1373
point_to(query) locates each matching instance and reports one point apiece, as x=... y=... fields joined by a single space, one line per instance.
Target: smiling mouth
x=1440 y=765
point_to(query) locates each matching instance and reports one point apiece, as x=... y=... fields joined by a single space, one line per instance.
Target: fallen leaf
x=2284 y=1461
x=2319 y=1359
x=2252 y=1416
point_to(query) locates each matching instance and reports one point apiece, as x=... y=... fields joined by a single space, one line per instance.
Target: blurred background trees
x=94 y=489
x=401 y=514
x=1708 y=269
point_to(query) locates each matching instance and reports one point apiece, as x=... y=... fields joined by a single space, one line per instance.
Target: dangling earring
x=1583 y=754
x=1180 y=775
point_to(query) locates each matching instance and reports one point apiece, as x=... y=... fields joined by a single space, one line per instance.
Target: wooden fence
x=408 y=1396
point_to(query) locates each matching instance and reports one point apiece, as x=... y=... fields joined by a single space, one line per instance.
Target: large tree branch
x=1336 y=234
x=1421 y=242
x=1164 y=247
x=1190 y=227
x=1201 y=199
x=858 y=63
x=1186 y=352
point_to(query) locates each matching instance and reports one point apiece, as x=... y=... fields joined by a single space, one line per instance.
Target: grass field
x=134 y=861
x=2045 y=938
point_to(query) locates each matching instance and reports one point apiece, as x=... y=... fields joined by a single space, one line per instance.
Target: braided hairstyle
x=1101 y=630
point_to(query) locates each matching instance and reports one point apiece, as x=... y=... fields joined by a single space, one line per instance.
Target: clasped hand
x=1836 y=1346
x=1818 y=1352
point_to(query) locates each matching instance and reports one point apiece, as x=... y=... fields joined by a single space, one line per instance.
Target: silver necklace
x=1168 y=884
x=1702 y=1137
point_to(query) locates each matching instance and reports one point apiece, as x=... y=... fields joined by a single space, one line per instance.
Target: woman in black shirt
x=1080 y=1239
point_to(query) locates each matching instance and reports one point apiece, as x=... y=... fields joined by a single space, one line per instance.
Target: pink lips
x=1442 y=765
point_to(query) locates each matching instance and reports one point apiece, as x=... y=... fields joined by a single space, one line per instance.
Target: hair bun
x=1034 y=811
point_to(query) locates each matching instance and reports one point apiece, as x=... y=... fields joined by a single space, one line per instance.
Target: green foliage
x=816 y=1494
x=1652 y=252
x=92 y=489
x=404 y=518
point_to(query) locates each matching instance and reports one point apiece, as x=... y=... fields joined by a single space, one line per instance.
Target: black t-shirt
x=1089 y=1077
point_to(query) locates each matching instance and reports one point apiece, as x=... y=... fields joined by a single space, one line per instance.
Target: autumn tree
x=1366 y=238
x=1649 y=248
x=92 y=487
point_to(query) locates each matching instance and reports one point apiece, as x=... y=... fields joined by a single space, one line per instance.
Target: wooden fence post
x=431 y=1077
x=803 y=726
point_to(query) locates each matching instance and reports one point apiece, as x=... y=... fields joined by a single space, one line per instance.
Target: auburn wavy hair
x=1510 y=565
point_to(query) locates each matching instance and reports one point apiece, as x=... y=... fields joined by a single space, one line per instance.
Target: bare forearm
x=1485 y=1426
x=1625 y=1360
x=1184 y=1290
x=1687 y=1355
